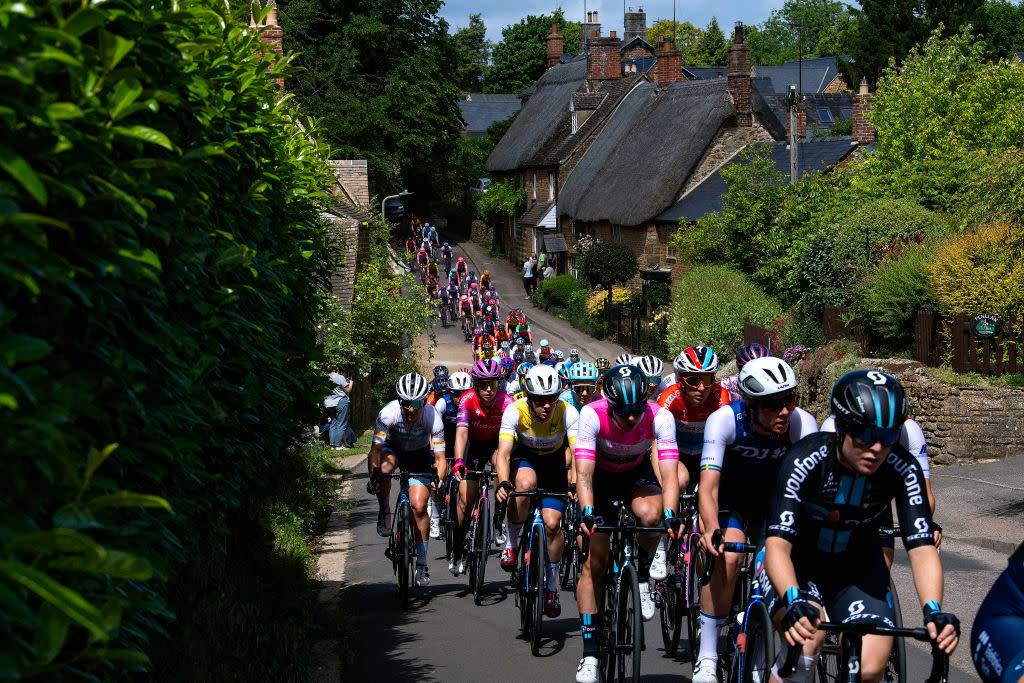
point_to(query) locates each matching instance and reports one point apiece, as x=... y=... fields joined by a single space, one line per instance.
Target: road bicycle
x=401 y=548
x=750 y=641
x=569 y=570
x=480 y=534
x=442 y=312
x=529 y=572
x=620 y=620
x=846 y=661
x=676 y=595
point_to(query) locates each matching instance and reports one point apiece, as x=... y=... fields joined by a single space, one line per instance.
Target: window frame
x=825 y=115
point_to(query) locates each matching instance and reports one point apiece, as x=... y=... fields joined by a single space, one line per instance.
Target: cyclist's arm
x=589 y=424
x=461 y=431
x=380 y=436
x=719 y=430
x=928 y=576
x=437 y=440
x=668 y=458
x=778 y=564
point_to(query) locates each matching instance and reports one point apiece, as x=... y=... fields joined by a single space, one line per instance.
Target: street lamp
x=403 y=193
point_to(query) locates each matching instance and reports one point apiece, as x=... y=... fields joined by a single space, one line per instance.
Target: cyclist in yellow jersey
x=535 y=450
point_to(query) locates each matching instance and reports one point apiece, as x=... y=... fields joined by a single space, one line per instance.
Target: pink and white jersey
x=614 y=449
x=483 y=425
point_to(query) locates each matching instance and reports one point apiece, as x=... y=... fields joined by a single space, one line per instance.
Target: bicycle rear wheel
x=536 y=589
x=450 y=508
x=569 y=571
x=671 y=613
x=759 y=645
x=628 y=626
x=692 y=606
x=828 y=660
x=481 y=542
x=896 y=669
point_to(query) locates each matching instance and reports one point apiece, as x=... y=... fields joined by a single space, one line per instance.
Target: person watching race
x=408 y=434
x=616 y=434
x=997 y=637
x=743 y=356
x=535 y=450
x=744 y=443
x=833 y=560
x=582 y=385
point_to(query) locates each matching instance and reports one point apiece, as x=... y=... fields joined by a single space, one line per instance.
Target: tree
x=1001 y=24
x=771 y=42
x=608 y=264
x=710 y=48
x=521 y=56
x=474 y=52
x=683 y=34
x=381 y=76
x=886 y=29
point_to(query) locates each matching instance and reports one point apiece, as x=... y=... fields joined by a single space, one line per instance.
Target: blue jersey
x=997 y=638
x=569 y=397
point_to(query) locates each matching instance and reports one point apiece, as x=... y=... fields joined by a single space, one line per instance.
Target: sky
x=496 y=15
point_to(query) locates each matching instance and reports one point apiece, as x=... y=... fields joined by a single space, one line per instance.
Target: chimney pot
x=595 y=16
x=554 y=29
x=611 y=34
x=737 y=35
x=864 y=86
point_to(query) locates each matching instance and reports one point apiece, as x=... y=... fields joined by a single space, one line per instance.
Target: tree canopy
x=474 y=53
x=710 y=48
x=521 y=56
x=683 y=34
x=610 y=263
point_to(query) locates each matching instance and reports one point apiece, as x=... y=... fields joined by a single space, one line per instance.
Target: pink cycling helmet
x=478 y=331
x=486 y=369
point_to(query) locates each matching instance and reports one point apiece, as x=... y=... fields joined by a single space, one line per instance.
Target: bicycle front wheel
x=759 y=650
x=451 y=505
x=481 y=541
x=406 y=554
x=629 y=626
x=692 y=605
x=671 y=613
x=896 y=669
x=536 y=589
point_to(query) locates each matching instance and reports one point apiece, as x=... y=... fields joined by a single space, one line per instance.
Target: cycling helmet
x=763 y=377
x=493 y=293
x=492 y=302
x=472 y=273
x=523 y=369
x=528 y=348
x=625 y=385
x=486 y=272
x=460 y=381
x=446 y=245
x=558 y=354
x=520 y=341
x=478 y=331
x=862 y=399
x=472 y=285
x=460 y=260
x=651 y=365
x=440 y=384
x=503 y=346
x=583 y=372
x=542 y=381
x=750 y=352
x=544 y=343
x=602 y=364
x=441 y=370
x=464 y=297
x=623 y=359
x=486 y=369
x=574 y=353
x=423 y=249
x=487 y=345
x=412 y=387
x=507 y=364
x=696 y=359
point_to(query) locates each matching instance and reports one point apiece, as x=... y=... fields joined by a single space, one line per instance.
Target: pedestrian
x=529 y=275
x=339 y=401
x=541 y=263
x=549 y=271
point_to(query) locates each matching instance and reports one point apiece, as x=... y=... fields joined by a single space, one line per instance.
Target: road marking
x=980 y=481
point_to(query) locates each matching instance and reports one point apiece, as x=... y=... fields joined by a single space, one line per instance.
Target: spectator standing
x=542 y=261
x=339 y=401
x=530 y=275
x=549 y=271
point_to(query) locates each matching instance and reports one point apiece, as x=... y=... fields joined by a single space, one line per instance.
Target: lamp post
x=384 y=201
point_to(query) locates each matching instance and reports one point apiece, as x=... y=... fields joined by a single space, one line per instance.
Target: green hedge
x=560 y=289
x=869 y=228
x=159 y=249
x=887 y=300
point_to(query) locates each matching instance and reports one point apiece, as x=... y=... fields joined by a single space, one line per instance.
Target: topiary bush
x=609 y=263
x=709 y=308
x=160 y=252
x=865 y=232
x=558 y=290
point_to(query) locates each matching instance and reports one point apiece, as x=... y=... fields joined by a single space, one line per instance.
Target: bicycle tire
x=896 y=668
x=536 y=588
x=759 y=646
x=481 y=541
x=828 y=660
x=671 y=614
x=629 y=626
x=692 y=605
x=450 y=517
x=405 y=555
x=568 y=572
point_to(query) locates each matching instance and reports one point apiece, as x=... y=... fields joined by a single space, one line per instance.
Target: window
x=824 y=115
x=572 y=115
x=670 y=252
x=551 y=186
x=522 y=181
x=847 y=112
x=616 y=234
x=535 y=185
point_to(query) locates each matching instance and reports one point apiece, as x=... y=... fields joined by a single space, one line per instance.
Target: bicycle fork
x=538 y=521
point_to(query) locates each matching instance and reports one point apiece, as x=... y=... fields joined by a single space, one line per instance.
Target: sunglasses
x=873 y=435
x=777 y=403
x=634 y=409
x=694 y=381
x=485 y=384
x=584 y=388
x=543 y=400
x=412 y=405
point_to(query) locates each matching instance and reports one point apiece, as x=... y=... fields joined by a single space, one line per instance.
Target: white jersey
x=666 y=381
x=512 y=385
x=720 y=435
x=425 y=433
x=911 y=438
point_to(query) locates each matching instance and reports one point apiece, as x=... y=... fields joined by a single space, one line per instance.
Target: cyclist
x=531 y=356
x=478 y=340
x=446 y=254
x=997 y=637
x=624 y=359
x=743 y=446
x=616 y=434
x=445 y=399
x=410 y=248
x=408 y=434
x=510 y=381
x=543 y=350
x=476 y=440
x=830 y=498
x=521 y=372
x=487 y=350
x=582 y=385
x=574 y=355
x=431 y=286
x=652 y=367
x=471 y=279
x=563 y=377
x=743 y=356
x=523 y=328
x=460 y=270
x=465 y=312
x=535 y=451
x=431 y=234
x=485 y=280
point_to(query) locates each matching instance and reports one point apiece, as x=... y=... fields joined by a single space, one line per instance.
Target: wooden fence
x=996 y=355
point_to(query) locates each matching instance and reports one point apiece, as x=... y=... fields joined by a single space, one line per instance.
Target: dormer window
x=572 y=115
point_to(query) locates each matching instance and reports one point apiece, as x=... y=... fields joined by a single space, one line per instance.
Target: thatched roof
x=542 y=114
x=635 y=168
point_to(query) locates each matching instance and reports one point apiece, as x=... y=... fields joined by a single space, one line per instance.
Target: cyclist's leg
x=525 y=479
x=716 y=596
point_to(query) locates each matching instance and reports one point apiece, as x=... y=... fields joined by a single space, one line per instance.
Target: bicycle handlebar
x=501 y=508
x=608 y=528
x=730 y=547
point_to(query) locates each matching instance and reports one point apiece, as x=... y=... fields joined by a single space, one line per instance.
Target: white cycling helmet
x=623 y=359
x=528 y=348
x=412 y=387
x=542 y=381
x=696 y=359
x=651 y=365
x=460 y=381
x=763 y=377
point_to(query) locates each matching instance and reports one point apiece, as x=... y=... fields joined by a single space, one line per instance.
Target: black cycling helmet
x=440 y=370
x=625 y=385
x=868 y=399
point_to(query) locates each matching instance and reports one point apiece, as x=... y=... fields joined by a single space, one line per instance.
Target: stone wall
x=481 y=232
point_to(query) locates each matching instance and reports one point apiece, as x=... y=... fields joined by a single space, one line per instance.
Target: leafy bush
x=159 y=255
x=981 y=271
x=886 y=301
x=578 y=316
x=501 y=201
x=558 y=290
x=609 y=263
x=710 y=305
x=864 y=233
x=620 y=297
x=820 y=369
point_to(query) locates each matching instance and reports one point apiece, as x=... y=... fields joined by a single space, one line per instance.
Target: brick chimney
x=669 y=68
x=604 y=59
x=556 y=45
x=863 y=131
x=590 y=28
x=739 y=77
x=634 y=25
x=271 y=35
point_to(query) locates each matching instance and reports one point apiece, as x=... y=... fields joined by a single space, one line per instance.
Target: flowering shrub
x=818 y=371
x=620 y=296
x=795 y=354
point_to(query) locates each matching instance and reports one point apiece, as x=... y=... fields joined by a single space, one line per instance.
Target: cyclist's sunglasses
x=694 y=381
x=627 y=410
x=872 y=435
x=485 y=383
x=542 y=400
x=412 y=405
x=584 y=388
x=777 y=403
